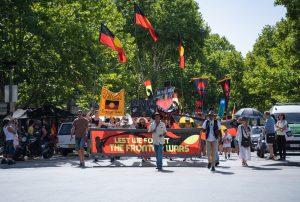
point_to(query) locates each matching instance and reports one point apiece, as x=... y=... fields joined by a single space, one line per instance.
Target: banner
x=200 y=84
x=137 y=142
x=221 y=108
x=199 y=105
x=163 y=92
x=225 y=83
x=111 y=104
x=143 y=108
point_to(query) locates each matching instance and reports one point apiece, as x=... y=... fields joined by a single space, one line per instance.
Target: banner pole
x=182 y=91
x=137 y=61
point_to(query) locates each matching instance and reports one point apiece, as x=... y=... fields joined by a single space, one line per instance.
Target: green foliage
x=59 y=59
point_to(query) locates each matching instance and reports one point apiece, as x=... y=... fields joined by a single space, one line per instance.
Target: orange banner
x=111 y=104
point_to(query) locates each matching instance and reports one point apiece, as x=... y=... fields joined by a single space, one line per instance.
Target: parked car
x=257 y=132
x=65 y=144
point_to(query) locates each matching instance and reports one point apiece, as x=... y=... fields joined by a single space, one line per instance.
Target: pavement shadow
x=166 y=171
x=262 y=168
x=224 y=172
x=175 y=163
x=285 y=163
x=42 y=163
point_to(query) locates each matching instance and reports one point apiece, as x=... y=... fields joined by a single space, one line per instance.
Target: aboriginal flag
x=111 y=105
x=181 y=54
x=225 y=83
x=108 y=38
x=142 y=20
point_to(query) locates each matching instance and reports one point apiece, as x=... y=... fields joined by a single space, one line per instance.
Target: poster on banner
x=165 y=92
x=142 y=108
x=111 y=104
x=138 y=142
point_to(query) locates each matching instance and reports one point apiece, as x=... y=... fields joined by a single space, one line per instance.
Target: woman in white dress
x=244 y=139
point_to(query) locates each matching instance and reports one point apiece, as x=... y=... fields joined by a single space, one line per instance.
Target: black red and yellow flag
x=141 y=19
x=181 y=54
x=148 y=85
x=108 y=38
x=200 y=84
x=225 y=83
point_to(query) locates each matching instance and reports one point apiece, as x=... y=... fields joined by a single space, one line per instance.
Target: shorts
x=9 y=147
x=270 y=138
x=79 y=142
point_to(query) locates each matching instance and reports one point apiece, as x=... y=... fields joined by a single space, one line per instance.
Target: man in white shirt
x=158 y=130
x=212 y=129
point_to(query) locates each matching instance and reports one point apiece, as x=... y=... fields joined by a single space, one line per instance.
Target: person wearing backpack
x=212 y=129
x=244 y=139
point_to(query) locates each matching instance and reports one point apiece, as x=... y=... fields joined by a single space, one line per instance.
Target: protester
x=244 y=139
x=9 y=132
x=218 y=118
x=281 y=128
x=270 y=133
x=79 y=129
x=158 y=130
x=30 y=129
x=212 y=128
x=142 y=124
x=227 y=144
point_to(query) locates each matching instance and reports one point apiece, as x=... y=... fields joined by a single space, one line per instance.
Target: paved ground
x=60 y=179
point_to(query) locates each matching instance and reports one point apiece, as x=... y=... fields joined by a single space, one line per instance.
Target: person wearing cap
x=158 y=130
x=9 y=133
x=212 y=129
x=80 y=129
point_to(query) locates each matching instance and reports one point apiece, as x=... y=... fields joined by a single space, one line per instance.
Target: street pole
x=10 y=89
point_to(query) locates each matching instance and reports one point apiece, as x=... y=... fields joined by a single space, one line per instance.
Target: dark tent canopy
x=49 y=111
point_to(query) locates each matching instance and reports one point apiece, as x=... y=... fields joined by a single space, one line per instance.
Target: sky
x=240 y=21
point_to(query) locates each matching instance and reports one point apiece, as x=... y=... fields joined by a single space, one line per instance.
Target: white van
x=292 y=115
x=65 y=143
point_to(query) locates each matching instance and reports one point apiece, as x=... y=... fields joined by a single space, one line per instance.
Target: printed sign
x=137 y=142
x=143 y=108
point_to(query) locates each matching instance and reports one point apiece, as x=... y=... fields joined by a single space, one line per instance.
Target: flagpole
x=137 y=60
x=182 y=90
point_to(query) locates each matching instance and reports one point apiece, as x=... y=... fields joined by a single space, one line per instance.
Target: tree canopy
x=60 y=60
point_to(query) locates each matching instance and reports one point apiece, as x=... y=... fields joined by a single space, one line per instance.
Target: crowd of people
x=215 y=138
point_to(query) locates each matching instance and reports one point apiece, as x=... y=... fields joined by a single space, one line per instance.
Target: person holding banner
x=212 y=129
x=158 y=130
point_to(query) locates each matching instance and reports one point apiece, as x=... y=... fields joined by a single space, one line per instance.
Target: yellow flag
x=111 y=104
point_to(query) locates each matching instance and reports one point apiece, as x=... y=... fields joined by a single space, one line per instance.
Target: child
x=227 y=144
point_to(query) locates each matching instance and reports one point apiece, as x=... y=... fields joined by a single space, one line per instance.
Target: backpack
x=246 y=142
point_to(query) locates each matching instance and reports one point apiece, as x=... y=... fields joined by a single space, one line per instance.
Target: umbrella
x=49 y=111
x=249 y=113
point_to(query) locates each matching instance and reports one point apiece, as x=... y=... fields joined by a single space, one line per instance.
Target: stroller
x=262 y=147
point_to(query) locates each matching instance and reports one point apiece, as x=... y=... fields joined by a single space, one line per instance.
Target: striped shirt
x=270 y=125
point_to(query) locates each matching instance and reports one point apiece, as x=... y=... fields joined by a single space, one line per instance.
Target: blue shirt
x=270 y=125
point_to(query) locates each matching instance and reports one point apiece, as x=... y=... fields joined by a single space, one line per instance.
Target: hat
x=157 y=114
x=210 y=113
x=7 y=118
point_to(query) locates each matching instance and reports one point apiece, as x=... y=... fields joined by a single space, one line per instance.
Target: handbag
x=246 y=142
